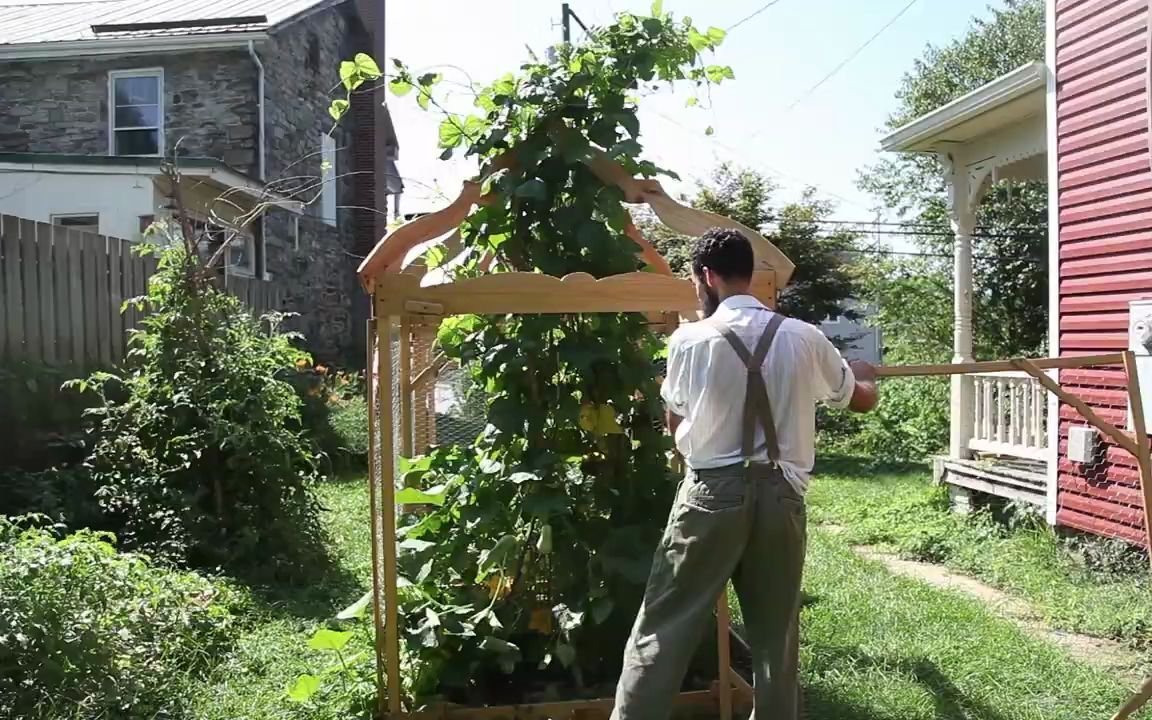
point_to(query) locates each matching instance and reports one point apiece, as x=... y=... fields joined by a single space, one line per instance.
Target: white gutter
x=127 y=46
x=1016 y=84
x=260 y=105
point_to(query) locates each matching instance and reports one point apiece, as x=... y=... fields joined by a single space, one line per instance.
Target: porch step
x=1010 y=478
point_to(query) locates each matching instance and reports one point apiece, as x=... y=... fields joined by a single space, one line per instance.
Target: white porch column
x=963 y=220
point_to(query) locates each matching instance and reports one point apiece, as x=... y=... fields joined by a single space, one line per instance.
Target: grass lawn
x=1096 y=588
x=876 y=646
x=272 y=651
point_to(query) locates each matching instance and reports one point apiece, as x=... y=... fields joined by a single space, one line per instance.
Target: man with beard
x=741 y=391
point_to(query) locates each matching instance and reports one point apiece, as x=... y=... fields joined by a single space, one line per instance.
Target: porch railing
x=1010 y=416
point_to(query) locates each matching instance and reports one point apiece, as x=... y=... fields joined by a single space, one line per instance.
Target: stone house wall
x=210 y=106
x=61 y=106
x=302 y=78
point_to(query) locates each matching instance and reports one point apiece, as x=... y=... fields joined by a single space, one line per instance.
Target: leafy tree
x=822 y=284
x=1010 y=268
x=532 y=557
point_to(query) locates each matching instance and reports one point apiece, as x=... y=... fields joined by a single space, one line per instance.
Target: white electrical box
x=1140 y=343
x=1083 y=444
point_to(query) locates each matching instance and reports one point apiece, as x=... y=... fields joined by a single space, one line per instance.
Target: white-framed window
x=328 y=179
x=239 y=258
x=84 y=222
x=136 y=112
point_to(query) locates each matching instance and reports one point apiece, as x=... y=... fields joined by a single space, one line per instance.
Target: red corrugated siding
x=1105 y=192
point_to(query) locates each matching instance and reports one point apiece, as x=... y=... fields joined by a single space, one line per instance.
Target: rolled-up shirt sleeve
x=835 y=381
x=673 y=389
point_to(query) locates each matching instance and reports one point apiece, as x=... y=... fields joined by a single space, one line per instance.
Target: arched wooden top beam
x=390 y=252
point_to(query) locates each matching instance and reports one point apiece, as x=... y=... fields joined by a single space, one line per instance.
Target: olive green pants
x=741 y=523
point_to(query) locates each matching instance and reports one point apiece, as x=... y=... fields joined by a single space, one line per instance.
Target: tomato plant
x=530 y=565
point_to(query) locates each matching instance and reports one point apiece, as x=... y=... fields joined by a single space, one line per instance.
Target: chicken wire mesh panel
x=446 y=405
x=1098 y=486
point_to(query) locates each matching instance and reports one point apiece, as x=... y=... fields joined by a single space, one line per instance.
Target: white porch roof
x=997 y=131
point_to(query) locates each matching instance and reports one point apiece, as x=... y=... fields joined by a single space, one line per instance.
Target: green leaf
x=495 y=644
x=697 y=40
x=399 y=87
x=366 y=66
x=304 y=688
x=415 y=496
x=325 y=639
x=630 y=122
x=716 y=73
x=691 y=102
x=716 y=35
x=601 y=609
x=566 y=654
x=429 y=79
x=423 y=99
x=709 y=130
x=450 y=133
x=628 y=148
x=338 y=108
x=357 y=609
x=534 y=189
x=348 y=75
x=520 y=478
x=657 y=8
x=474 y=126
x=446 y=155
x=498 y=555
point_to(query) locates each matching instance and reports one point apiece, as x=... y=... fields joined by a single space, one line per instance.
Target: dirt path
x=1107 y=655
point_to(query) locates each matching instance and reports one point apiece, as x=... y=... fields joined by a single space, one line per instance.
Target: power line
x=852 y=56
x=756 y=163
x=753 y=15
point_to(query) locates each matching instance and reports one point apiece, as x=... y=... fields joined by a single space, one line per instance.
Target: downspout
x=260 y=108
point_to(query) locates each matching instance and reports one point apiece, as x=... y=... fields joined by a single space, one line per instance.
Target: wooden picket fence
x=62 y=294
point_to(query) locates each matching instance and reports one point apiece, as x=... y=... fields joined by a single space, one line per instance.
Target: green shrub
x=199 y=451
x=86 y=632
x=42 y=425
x=910 y=423
x=65 y=495
x=334 y=413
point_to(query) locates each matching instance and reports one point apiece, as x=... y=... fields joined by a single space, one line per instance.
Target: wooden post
x=1140 y=429
x=1144 y=461
x=373 y=469
x=724 y=653
x=387 y=508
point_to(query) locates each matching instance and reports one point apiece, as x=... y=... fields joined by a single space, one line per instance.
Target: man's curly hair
x=725 y=252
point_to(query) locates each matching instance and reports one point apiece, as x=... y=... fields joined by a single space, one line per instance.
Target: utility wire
x=852 y=56
x=750 y=17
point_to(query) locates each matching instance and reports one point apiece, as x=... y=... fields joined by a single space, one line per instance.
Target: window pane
x=239 y=255
x=85 y=223
x=138 y=116
x=137 y=142
x=138 y=91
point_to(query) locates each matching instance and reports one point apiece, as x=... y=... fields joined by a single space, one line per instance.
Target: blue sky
x=777 y=57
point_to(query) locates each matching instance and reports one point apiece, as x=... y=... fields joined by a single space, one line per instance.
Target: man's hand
x=864 y=395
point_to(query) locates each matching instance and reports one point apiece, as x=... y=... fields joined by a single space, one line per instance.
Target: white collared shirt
x=705 y=385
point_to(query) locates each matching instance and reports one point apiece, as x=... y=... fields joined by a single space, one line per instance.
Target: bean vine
x=529 y=567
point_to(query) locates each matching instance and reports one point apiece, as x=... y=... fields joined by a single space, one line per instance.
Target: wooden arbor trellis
x=407 y=306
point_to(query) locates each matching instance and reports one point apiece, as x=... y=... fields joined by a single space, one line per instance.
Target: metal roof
x=46 y=21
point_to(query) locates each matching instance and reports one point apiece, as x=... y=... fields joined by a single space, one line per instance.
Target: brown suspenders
x=757 y=406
